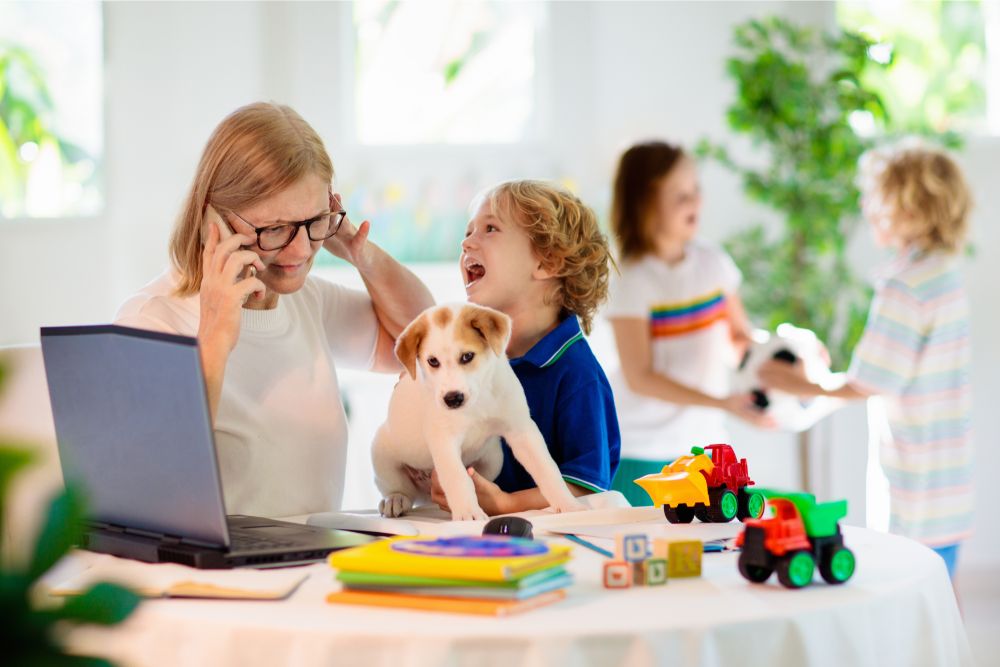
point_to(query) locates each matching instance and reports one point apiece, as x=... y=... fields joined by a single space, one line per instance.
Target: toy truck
x=801 y=534
x=712 y=488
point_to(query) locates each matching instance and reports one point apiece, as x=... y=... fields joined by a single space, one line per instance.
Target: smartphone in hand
x=212 y=217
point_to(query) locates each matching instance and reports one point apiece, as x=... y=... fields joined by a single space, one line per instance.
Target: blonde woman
x=271 y=336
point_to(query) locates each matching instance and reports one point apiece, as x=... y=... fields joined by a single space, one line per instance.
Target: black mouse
x=512 y=526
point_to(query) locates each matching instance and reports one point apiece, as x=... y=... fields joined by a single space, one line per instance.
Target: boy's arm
x=791 y=378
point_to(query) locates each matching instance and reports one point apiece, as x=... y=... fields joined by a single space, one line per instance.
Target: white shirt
x=686 y=307
x=280 y=430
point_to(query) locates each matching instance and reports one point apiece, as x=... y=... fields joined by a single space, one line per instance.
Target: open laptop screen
x=134 y=429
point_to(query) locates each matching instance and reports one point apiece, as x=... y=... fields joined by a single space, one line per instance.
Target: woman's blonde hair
x=255 y=152
x=927 y=197
x=566 y=237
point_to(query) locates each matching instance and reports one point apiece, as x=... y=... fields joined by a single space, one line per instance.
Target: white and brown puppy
x=448 y=411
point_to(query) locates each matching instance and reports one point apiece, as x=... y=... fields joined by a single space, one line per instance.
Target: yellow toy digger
x=712 y=488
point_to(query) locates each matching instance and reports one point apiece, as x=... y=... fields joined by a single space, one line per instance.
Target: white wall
x=614 y=72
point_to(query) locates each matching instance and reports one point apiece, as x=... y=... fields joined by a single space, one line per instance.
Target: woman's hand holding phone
x=228 y=280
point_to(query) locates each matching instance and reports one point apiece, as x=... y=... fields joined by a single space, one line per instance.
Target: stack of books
x=491 y=575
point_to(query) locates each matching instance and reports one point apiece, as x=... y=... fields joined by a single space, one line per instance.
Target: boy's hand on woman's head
x=492 y=499
x=743 y=406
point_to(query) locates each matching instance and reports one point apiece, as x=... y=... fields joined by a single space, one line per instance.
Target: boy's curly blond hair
x=565 y=235
x=927 y=197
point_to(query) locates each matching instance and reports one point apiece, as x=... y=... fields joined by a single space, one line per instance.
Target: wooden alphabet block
x=684 y=558
x=655 y=571
x=617 y=574
x=661 y=548
x=631 y=548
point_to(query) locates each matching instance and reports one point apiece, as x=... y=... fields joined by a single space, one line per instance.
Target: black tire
x=837 y=565
x=792 y=571
x=679 y=514
x=701 y=513
x=719 y=499
x=753 y=572
x=744 y=511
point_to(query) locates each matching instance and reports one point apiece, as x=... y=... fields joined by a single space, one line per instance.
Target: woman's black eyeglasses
x=276 y=237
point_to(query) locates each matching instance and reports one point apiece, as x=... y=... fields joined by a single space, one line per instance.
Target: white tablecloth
x=899 y=609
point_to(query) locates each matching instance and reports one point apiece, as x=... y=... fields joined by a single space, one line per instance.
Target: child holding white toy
x=915 y=351
x=678 y=320
x=535 y=252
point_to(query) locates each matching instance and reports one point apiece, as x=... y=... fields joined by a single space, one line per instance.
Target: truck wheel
x=796 y=569
x=724 y=506
x=679 y=514
x=837 y=565
x=751 y=505
x=758 y=574
x=701 y=513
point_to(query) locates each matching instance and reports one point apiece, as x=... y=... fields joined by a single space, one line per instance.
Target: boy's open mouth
x=474 y=271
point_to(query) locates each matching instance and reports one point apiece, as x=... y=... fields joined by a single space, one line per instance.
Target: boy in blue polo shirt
x=535 y=252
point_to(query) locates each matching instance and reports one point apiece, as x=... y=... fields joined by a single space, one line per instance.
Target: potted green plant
x=799 y=97
x=28 y=633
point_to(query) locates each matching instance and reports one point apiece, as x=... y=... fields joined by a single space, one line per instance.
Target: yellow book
x=487 y=558
x=446 y=604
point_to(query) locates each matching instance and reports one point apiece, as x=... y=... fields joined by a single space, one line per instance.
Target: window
x=944 y=72
x=50 y=109
x=449 y=72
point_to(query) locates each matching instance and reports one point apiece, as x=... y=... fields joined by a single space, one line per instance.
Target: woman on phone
x=271 y=336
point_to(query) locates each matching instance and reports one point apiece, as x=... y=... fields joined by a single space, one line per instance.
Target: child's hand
x=491 y=497
x=783 y=376
x=742 y=406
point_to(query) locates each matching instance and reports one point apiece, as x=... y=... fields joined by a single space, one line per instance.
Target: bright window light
x=51 y=139
x=447 y=72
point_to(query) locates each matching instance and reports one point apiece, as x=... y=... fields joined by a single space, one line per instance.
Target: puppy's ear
x=408 y=344
x=493 y=326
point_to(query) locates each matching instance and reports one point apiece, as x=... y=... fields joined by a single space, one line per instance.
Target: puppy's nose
x=454 y=399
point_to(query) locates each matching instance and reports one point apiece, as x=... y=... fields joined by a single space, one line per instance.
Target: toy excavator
x=712 y=488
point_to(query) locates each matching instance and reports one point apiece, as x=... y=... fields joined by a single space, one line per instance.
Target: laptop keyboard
x=245 y=541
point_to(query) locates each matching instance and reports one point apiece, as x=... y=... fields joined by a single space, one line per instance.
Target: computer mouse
x=513 y=526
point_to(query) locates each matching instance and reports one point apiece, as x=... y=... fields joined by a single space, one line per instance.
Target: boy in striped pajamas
x=915 y=350
x=535 y=252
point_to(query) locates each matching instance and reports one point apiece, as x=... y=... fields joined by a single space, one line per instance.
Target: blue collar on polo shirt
x=552 y=345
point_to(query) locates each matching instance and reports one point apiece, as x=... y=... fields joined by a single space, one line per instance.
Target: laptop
x=134 y=433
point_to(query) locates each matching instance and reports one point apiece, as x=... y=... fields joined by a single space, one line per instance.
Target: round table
x=898 y=609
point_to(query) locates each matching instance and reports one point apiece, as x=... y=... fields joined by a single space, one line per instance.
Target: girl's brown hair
x=639 y=170
x=255 y=152
x=565 y=236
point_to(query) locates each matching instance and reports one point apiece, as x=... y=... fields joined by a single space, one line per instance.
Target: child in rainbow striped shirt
x=678 y=320
x=915 y=350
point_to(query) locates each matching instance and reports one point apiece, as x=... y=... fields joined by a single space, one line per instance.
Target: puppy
x=448 y=411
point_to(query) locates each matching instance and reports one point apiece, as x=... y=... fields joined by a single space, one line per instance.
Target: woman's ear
x=408 y=344
x=491 y=325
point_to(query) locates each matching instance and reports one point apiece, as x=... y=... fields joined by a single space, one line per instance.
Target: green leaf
x=62 y=529
x=104 y=604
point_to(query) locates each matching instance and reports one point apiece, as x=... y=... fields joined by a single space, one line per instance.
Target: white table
x=899 y=609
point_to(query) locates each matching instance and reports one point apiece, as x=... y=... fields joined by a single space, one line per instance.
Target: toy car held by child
x=801 y=534
x=711 y=487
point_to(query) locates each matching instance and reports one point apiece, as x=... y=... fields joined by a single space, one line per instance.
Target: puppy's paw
x=470 y=513
x=395 y=504
x=568 y=505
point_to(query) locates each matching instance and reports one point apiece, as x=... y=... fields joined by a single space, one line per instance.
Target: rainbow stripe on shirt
x=679 y=319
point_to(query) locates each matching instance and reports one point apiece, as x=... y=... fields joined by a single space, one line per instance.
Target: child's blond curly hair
x=925 y=194
x=566 y=237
